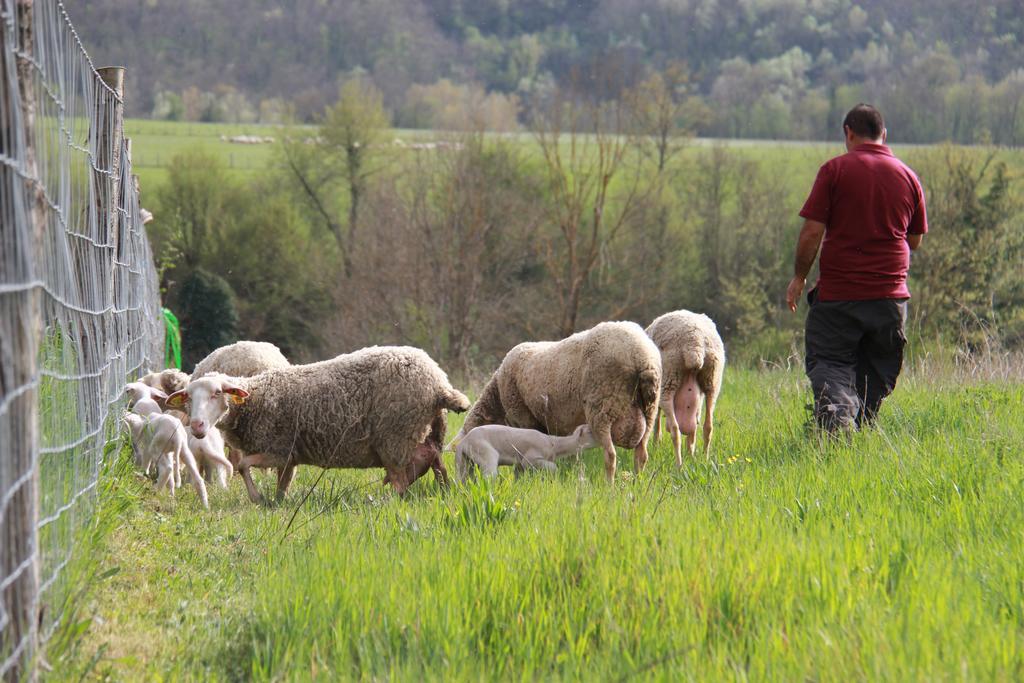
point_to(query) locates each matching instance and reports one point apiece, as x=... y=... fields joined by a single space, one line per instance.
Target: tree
x=208 y=316
x=659 y=106
x=343 y=156
x=594 y=182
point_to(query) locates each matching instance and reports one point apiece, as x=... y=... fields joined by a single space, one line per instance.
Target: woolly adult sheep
x=377 y=407
x=607 y=377
x=693 y=362
x=242 y=359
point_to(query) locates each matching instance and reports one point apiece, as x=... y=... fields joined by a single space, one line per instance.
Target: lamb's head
x=135 y=424
x=138 y=391
x=207 y=399
x=584 y=437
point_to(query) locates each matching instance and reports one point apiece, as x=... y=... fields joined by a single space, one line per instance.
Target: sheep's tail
x=647 y=389
x=454 y=400
x=693 y=356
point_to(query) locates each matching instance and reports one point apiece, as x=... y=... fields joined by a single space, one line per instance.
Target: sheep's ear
x=158 y=395
x=177 y=399
x=236 y=394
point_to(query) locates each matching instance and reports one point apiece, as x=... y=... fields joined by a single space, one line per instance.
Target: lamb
x=607 y=377
x=144 y=399
x=167 y=381
x=489 y=446
x=376 y=407
x=241 y=359
x=693 y=362
x=160 y=440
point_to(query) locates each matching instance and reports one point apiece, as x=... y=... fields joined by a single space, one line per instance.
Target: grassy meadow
x=894 y=556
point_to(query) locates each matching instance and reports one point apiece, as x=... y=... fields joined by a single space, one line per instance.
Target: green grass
x=155 y=143
x=896 y=556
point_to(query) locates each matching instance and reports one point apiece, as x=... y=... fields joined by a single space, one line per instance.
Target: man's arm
x=806 y=251
x=914 y=241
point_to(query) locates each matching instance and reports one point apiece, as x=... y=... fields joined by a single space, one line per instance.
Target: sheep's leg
x=193 y=471
x=254 y=460
x=604 y=437
x=284 y=480
x=673 y=432
x=487 y=458
x=165 y=478
x=176 y=460
x=657 y=426
x=440 y=473
x=709 y=421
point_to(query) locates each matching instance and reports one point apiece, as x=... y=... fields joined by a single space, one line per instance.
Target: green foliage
x=968 y=283
x=208 y=316
x=762 y=68
x=894 y=556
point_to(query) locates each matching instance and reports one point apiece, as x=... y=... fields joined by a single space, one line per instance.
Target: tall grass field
x=894 y=555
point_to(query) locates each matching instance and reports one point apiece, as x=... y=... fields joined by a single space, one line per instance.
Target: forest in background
x=783 y=69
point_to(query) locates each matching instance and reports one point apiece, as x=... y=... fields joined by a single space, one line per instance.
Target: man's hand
x=793 y=292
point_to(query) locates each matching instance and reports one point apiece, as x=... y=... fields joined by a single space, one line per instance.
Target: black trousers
x=854 y=353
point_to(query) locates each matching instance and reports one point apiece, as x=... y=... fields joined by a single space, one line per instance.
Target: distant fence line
x=79 y=309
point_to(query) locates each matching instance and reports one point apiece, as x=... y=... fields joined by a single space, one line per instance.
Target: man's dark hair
x=865 y=121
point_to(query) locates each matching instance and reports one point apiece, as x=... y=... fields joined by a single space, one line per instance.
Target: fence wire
x=78 y=293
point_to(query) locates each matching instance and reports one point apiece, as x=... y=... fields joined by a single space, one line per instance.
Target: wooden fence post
x=19 y=555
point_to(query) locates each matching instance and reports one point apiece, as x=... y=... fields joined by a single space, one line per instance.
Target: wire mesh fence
x=79 y=307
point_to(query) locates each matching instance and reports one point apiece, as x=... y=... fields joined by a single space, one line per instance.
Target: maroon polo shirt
x=869 y=202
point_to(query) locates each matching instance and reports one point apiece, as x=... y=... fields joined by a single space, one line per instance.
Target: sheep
x=608 y=377
x=376 y=407
x=144 y=399
x=241 y=359
x=160 y=440
x=693 y=362
x=167 y=381
x=489 y=446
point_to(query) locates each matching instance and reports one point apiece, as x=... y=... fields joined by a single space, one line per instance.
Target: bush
x=208 y=316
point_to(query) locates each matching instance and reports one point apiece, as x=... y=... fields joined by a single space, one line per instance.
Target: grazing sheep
x=607 y=377
x=143 y=399
x=209 y=454
x=489 y=446
x=241 y=359
x=160 y=440
x=377 y=407
x=693 y=361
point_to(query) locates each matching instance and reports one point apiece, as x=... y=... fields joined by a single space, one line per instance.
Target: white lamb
x=160 y=440
x=143 y=399
x=492 y=445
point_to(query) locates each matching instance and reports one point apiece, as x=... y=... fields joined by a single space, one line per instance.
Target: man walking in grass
x=866 y=211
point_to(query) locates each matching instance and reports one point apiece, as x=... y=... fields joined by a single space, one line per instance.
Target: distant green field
x=154 y=144
x=894 y=557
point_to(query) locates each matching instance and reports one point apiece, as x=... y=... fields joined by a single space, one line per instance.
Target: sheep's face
x=207 y=400
x=584 y=437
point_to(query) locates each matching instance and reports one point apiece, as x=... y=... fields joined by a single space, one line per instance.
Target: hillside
x=757 y=68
